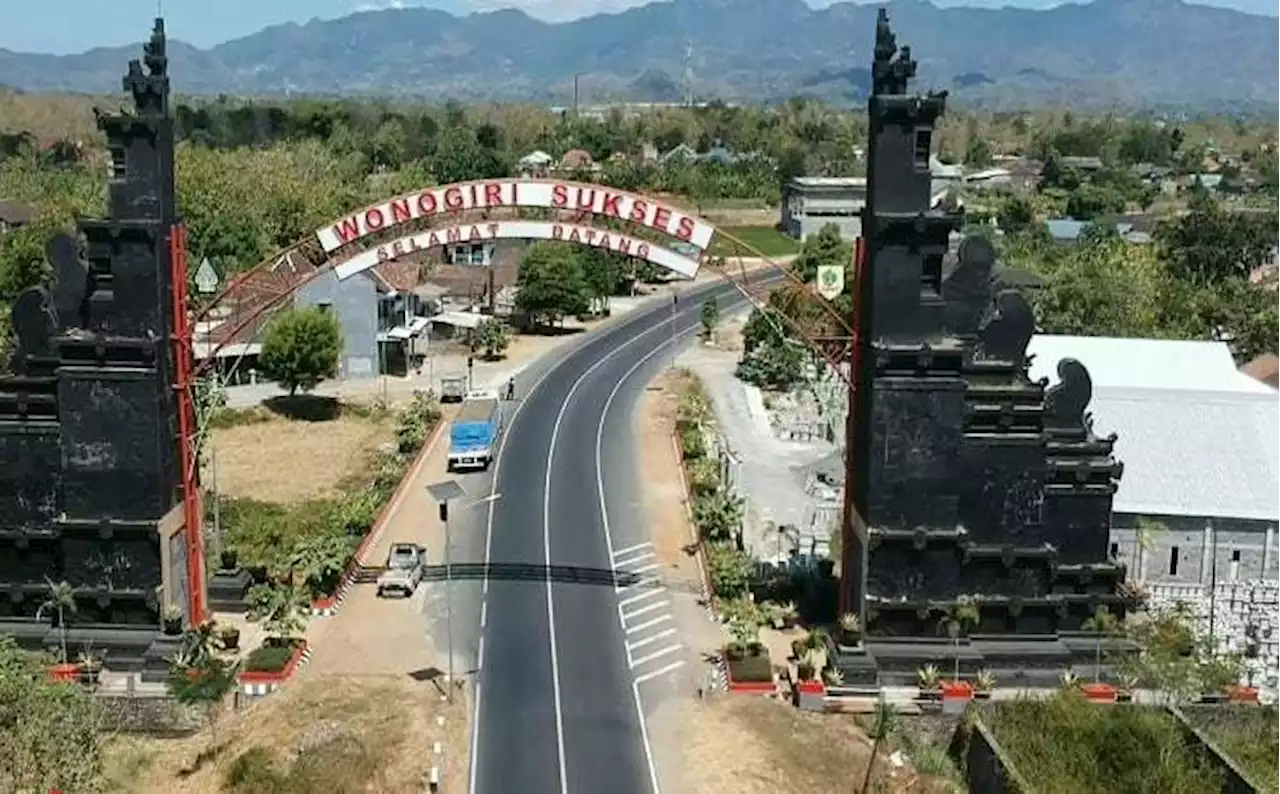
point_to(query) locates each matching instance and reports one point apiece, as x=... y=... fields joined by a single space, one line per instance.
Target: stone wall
x=148 y=713
x=1205 y=549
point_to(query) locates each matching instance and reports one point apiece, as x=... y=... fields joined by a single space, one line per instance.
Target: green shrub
x=704 y=477
x=747 y=668
x=253 y=772
x=416 y=421
x=692 y=443
x=1068 y=745
x=270 y=657
x=730 y=570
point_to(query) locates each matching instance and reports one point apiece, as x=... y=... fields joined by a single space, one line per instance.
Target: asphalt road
x=558 y=706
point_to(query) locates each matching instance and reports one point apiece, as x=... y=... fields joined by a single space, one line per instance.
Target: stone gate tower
x=90 y=486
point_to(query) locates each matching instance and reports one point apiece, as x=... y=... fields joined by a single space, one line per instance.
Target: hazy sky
x=63 y=26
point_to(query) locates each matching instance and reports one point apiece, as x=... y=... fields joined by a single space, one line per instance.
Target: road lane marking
x=648 y=624
x=655 y=655
x=646 y=594
x=645 y=583
x=645 y=568
x=635 y=613
x=627 y=324
x=648 y=555
x=629 y=549
x=672 y=667
x=608 y=537
x=651 y=638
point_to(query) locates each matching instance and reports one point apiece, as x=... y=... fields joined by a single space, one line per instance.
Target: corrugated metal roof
x=1194 y=453
x=1114 y=362
x=1197 y=437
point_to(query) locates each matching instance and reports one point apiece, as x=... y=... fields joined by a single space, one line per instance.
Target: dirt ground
x=745 y=744
x=285 y=461
x=331 y=735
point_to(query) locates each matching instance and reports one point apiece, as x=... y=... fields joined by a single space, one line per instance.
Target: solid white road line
x=646 y=594
x=635 y=613
x=648 y=624
x=656 y=654
x=608 y=537
x=629 y=549
x=651 y=638
x=673 y=666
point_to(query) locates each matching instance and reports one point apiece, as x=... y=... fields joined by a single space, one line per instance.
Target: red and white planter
x=256 y=683
x=1100 y=692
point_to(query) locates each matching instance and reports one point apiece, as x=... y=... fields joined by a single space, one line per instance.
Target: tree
x=61 y=600
x=492 y=338
x=977 y=153
x=1101 y=623
x=961 y=616
x=301 y=348
x=1016 y=215
x=1210 y=244
x=551 y=284
x=50 y=733
x=710 y=315
x=603 y=273
x=198 y=677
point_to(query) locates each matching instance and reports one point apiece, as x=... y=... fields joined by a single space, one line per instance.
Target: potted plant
x=983 y=683
x=930 y=679
x=850 y=629
x=960 y=617
x=833 y=676
x=58 y=603
x=229 y=638
x=785 y=615
x=172 y=621
x=90 y=667
x=229 y=559
x=1101 y=623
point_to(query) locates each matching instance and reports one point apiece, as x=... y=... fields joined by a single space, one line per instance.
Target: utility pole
x=575 y=94
x=674 y=300
x=443 y=493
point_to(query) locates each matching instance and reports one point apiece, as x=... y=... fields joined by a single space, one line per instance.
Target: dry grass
x=331 y=735
x=51 y=117
x=739 y=744
x=286 y=461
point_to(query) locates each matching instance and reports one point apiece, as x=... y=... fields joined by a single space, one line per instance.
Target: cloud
x=383 y=6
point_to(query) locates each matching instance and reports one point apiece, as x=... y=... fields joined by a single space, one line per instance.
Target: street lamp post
x=443 y=493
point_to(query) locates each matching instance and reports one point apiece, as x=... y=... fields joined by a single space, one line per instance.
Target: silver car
x=404 y=571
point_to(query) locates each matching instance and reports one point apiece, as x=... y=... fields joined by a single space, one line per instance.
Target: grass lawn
x=1066 y=745
x=765 y=239
x=1249 y=735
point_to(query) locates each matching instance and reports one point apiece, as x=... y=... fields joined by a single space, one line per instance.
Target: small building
x=576 y=160
x=379 y=313
x=1196 y=512
x=989 y=179
x=680 y=153
x=535 y=164
x=811 y=202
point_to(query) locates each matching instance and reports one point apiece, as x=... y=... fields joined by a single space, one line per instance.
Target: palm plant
x=886 y=723
x=60 y=600
x=961 y=616
x=1102 y=622
x=851 y=627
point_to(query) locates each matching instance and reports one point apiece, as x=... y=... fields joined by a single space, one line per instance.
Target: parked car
x=405 y=563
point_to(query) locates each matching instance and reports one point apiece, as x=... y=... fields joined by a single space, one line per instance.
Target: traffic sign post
x=206 y=277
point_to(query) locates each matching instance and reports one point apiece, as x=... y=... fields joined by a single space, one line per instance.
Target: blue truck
x=473 y=434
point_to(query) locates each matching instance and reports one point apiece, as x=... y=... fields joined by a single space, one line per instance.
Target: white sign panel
x=520 y=230
x=206 y=277
x=545 y=193
x=830 y=280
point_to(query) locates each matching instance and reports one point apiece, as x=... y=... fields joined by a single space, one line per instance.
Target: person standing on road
x=511 y=388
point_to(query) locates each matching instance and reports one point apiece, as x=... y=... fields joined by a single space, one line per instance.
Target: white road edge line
x=648 y=624
x=656 y=654
x=640 y=679
x=608 y=537
x=646 y=594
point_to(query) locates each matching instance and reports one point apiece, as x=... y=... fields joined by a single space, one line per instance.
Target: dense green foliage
x=559 y=280
x=49 y=732
x=1067 y=745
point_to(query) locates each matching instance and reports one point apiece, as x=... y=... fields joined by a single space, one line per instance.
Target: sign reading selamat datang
x=520 y=230
x=570 y=196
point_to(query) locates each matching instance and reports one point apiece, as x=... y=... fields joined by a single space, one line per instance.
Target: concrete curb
x=262 y=688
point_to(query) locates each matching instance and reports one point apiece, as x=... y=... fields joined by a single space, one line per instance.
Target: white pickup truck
x=405 y=564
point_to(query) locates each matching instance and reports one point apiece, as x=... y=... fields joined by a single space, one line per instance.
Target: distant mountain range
x=1145 y=53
